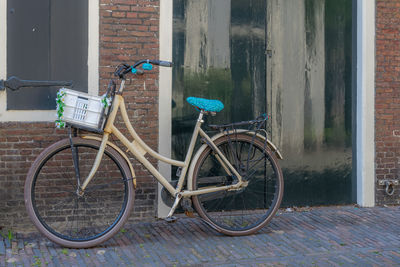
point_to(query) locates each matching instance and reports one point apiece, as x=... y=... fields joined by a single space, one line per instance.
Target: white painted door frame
x=365 y=123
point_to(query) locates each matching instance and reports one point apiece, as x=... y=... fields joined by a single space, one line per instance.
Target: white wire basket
x=82 y=110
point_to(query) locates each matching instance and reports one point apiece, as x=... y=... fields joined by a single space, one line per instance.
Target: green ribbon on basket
x=60 y=100
x=106 y=101
x=59 y=124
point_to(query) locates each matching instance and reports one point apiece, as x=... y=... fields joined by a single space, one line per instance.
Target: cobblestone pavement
x=328 y=236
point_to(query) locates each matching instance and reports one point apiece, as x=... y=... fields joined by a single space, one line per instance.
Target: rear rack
x=257 y=125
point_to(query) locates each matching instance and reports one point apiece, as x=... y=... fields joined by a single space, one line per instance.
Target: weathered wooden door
x=291 y=59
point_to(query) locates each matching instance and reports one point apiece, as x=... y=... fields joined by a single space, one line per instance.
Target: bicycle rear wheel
x=56 y=208
x=244 y=211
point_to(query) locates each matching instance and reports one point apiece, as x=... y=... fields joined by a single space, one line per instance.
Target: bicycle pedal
x=189 y=214
x=171 y=219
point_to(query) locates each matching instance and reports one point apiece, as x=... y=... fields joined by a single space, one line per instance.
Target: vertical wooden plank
x=207 y=34
x=286 y=85
x=314 y=101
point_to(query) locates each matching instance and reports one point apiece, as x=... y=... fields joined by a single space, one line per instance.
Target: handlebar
x=124 y=69
x=154 y=62
x=13 y=83
x=165 y=63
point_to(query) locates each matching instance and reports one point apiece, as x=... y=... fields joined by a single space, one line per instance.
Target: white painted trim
x=365 y=103
x=93 y=47
x=93 y=66
x=165 y=97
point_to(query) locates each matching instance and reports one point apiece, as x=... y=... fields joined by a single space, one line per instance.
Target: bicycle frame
x=139 y=149
x=219 y=194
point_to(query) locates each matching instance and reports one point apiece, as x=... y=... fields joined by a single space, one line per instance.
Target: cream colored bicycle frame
x=139 y=149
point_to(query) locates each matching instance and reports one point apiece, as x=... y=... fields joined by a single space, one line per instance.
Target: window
x=46 y=40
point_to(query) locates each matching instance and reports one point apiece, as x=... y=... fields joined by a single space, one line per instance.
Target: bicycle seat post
x=201 y=115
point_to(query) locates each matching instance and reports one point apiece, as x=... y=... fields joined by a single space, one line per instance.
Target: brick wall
x=387 y=100
x=128 y=32
x=20 y=144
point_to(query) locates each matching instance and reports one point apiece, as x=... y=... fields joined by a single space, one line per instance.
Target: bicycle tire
x=244 y=211
x=56 y=209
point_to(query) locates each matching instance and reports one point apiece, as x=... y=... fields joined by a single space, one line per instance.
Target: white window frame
x=93 y=66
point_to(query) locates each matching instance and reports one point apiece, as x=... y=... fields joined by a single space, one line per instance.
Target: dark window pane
x=46 y=40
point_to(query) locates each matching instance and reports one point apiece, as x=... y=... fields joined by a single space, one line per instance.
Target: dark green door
x=291 y=59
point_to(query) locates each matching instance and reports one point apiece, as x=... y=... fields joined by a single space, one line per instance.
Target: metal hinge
x=389 y=185
x=384 y=182
x=269 y=51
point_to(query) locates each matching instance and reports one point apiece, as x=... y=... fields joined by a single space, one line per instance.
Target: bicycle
x=79 y=191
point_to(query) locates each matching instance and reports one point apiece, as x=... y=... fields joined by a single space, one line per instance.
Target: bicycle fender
x=269 y=143
x=219 y=135
x=91 y=137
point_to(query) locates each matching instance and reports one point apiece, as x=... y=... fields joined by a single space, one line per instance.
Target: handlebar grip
x=165 y=63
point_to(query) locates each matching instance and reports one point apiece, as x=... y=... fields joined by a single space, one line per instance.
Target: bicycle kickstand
x=169 y=217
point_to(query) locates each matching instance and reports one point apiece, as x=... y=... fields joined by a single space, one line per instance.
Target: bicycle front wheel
x=243 y=211
x=63 y=215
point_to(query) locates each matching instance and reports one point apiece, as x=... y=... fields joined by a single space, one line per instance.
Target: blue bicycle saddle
x=206 y=104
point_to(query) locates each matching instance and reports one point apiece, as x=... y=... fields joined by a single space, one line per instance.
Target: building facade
x=326 y=73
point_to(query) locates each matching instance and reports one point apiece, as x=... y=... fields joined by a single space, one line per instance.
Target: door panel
x=309 y=97
x=219 y=53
